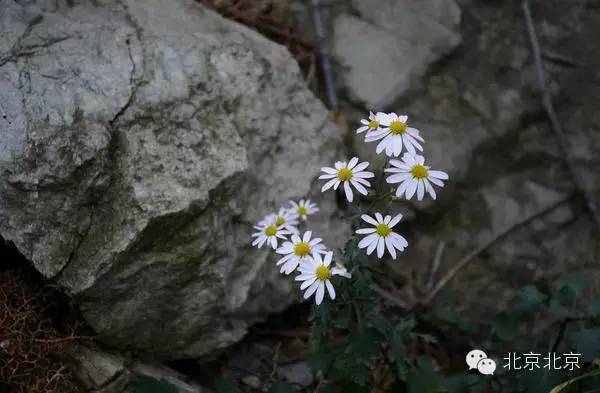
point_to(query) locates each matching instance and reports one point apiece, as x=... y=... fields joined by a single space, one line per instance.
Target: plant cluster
x=356 y=346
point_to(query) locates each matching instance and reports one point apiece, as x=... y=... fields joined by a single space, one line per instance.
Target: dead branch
x=552 y=116
x=478 y=250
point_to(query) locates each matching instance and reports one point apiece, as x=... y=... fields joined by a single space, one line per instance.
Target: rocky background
x=140 y=140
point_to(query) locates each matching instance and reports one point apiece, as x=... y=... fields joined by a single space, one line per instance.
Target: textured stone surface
x=104 y=372
x=385 y=51
x=481 y=116
x=143 y=142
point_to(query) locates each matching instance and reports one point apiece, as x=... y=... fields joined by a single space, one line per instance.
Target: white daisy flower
x=370 y=124
x=298 y=250
x=304 y=208
x=381 y=236
x=414 y=176
x=395 y=134
x=350 y=173
x=285 y=217
x=315 y=274
x=269 y=234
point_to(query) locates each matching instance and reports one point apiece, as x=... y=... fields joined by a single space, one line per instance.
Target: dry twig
x=325 y=60
x=470 y=256
x=554 y=122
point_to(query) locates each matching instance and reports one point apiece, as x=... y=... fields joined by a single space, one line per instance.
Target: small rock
x=299 y=373
x=252 y=380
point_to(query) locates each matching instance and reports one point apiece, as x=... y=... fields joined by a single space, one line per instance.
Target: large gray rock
x=144 y=139
x=391 y=45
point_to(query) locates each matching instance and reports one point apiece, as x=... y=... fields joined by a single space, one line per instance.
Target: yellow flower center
x=323 y=273
x=373 y=124
x=344 y=174
x=398 y=128
x=383 y=230
x=419 y=171
x=280 y=221
x=302 y=249
x=302 y=211
x=271 y=230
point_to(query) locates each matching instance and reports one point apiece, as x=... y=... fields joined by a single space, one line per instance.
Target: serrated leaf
x=378 y=322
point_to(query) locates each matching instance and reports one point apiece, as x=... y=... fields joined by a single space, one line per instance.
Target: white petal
x=328 y=185
x=363 y=175
x=328 y=258
x=402 y=187
x=390 y=247
x=330 y=289
x=435 y=181
x=348 y=191
x=363 y=182
x=420 y=189
x=412 y=187
x=353 y=162
x=360 y=167
x=430 y=189
x=381 y=146
x=328 y=170
x=326 y=176
x=311 y=289
x=379 y=218
x=359 y=187
x=307 y=236
x=320 y=293
x=439 y=175
x=367 y=240
x=380 y=247
x=397 y=178
x=397 y=145
x=373 y=245
x=369 y=219
x=307 y=283
x=395 y=220
x=365 y=231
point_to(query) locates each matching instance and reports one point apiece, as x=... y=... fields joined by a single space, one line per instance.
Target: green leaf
x=423 y=379
x=145 y=384
x=224 y=385
x=529 y=297
x=586 y=342
x=593 y=310
x=558 y=309
x=461 y=383
x=282 y=387
x=366 y=343
x=351 y=250
x=505 y=326
x=378 y=322
x=576 y=282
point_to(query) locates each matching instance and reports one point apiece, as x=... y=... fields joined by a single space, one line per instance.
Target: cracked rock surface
x=141 y=142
